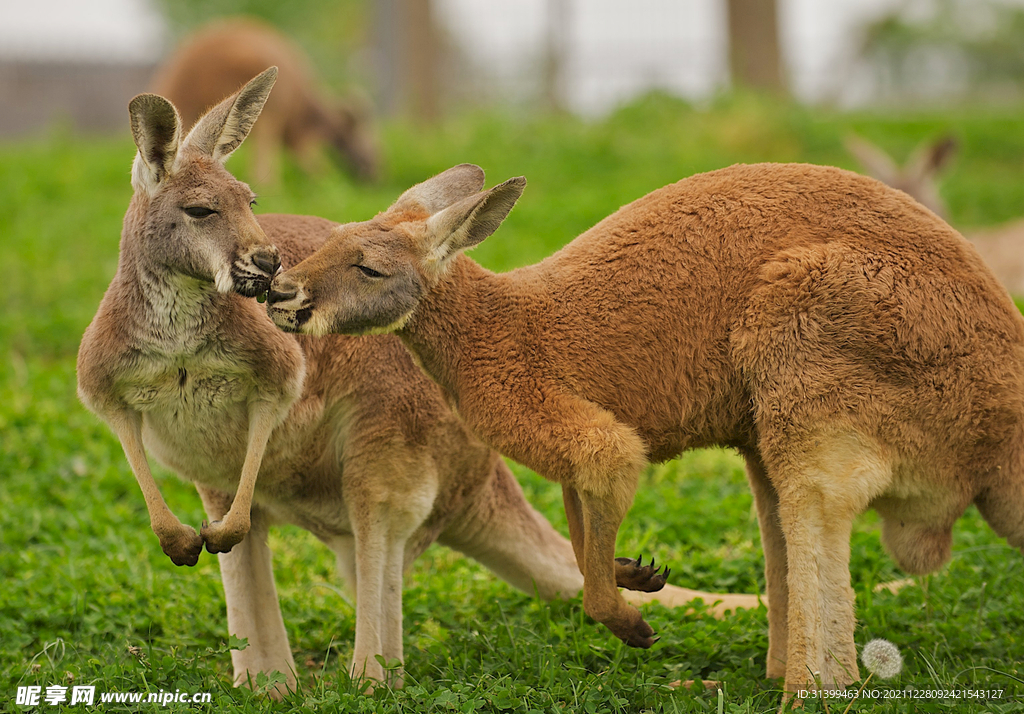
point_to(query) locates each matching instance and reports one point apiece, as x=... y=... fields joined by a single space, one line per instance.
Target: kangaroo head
x=369 y=277
x=918 y=177
x=192 y=216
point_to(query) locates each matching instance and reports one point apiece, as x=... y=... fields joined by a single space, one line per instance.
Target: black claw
x=652 y=564
x=655 y=640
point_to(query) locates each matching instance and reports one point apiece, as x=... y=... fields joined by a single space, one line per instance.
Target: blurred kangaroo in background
x=1001 y=247
x=219 y=58
x=348 y=438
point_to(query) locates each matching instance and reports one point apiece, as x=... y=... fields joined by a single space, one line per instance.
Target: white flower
x=882 y=658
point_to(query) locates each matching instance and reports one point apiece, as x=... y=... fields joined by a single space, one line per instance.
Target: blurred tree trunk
x=555 y=53
x=407 y=58
x=421 y=61
x=755 y=59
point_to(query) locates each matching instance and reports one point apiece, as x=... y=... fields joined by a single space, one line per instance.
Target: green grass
x=87 y=596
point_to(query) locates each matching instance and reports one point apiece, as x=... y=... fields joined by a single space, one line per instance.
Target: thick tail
x=501 y=530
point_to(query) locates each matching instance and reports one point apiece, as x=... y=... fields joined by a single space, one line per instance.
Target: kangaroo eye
x=370 y=272
x=199 y=211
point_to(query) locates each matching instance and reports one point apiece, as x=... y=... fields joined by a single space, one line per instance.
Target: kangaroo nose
x=282 y=289
x=267 y=261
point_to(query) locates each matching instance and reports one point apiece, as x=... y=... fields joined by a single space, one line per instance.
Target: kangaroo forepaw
x=220 y=537
x=624 y=620
x=182 y=545
x=634 y=575
x=640 y=635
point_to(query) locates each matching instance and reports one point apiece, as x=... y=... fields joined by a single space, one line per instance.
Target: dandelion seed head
x=882 y=658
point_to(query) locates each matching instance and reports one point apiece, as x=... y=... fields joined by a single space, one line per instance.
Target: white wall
x=617 y=48
x=81 y=30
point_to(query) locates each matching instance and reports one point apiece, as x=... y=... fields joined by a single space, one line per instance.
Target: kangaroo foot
x=634 y=575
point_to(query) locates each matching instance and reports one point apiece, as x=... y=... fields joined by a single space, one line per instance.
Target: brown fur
x=1001 y=247
x=219 y=57
x=851 y=345
x=358 y=446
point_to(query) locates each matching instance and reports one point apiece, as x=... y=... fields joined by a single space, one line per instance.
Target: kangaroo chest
x=195 y=412
x=190 y=388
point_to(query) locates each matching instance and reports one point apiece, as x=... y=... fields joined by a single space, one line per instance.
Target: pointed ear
x=224 y=127
x=436 y=194
x=464 y=224
x=156 y=128
x=931 y=158
x=873 y=159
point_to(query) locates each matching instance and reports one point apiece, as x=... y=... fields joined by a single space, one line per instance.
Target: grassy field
x=87 y=597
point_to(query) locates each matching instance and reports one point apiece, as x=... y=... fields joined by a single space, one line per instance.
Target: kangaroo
x=919 y=176
x=220 y=57
x=1001 y=247
x=848 y=343
x=348 y=437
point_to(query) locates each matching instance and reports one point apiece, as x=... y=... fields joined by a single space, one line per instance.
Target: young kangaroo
x=220 y=57
x=847 y=342
x=1001 y=247
x=350 y=440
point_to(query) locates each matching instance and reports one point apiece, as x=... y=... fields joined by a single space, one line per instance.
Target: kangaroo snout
x=253 y=270
x=268 y=260
x=282 y=288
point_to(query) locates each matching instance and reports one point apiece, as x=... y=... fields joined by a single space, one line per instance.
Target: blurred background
x=73 y=62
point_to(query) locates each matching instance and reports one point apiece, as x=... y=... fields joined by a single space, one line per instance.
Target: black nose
x=282 y=289
x=268 y=262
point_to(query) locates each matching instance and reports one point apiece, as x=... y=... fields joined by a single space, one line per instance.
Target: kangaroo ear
x=221 y=130
x=440 y=192
x=873 y=159
x=930 y=158
x=464 y=224
x=156 y=128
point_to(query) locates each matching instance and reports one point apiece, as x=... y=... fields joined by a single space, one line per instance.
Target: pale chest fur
x=195 y=412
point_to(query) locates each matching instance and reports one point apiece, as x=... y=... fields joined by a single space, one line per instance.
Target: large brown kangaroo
x=851 y=345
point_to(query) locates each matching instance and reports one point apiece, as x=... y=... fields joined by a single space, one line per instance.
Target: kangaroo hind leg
x=503 y=532
x=254 y=612
x=393 y=498
x=822 y=485
x=776 y=570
